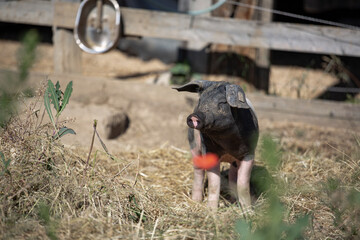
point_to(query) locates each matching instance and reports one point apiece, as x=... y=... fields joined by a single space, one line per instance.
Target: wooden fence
x=268 y=35
x=137 y=22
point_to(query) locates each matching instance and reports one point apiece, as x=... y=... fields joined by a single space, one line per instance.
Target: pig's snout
x=196 y=120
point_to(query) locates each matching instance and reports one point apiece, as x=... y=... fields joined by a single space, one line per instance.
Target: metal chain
x=293 y=15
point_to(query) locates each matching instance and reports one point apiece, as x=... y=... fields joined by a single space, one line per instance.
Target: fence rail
x=137 y=22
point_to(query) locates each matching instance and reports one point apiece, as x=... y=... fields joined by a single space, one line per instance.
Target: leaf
x=295 y=231
x=66 y=97
x=58 y=91
x=63 y=131
x=6 y=164
x=2 y=157
x=47 y=106
x=271 y=153
x=53 y=96
x=244 y=229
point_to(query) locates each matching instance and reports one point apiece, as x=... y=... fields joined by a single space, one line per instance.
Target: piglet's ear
x=235 y=96
x=194 y=86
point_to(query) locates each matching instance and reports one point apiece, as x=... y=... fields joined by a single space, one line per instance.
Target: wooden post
x=195 y=52
x=262 y=55
x=67 y=54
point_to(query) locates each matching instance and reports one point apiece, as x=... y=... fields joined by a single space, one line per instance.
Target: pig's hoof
x=213 y=205
x=197 y=197
x=116 y=125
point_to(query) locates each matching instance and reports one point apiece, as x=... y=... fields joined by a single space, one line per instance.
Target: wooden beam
x=67 y=54
x=36 y=13
x=195 y=51
x=280 y=36
x=314 y=108
x=262 y=55
x=65 y=14
x=316 y=112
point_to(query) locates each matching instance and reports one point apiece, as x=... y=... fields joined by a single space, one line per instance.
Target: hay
x=145 y=194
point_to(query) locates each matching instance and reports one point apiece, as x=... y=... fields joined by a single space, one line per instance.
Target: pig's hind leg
x=239 y=181
x=243 y=181
x=233 y=174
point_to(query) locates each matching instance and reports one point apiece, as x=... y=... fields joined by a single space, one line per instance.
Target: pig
x=224 y=123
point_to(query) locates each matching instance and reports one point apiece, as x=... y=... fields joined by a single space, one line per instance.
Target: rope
x=297 y=16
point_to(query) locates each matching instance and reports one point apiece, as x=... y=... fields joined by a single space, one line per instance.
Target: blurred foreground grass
x=14 y=86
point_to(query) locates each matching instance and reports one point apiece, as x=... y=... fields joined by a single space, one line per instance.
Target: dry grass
x=145 y=194
x=320 y=172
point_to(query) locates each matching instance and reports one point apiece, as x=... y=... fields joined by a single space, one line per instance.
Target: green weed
x=45 y=218
x=180 y=73
x=6 y=164
x=12 y=87
x=53 y=95
x=273 y=226
x=271 y=153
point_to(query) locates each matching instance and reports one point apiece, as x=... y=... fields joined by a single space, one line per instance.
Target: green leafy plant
x=45 y=217
x=137 y=214
x=352 y=99
x=274 y=227
x=344 y=203
x=6 y=165
x=27 y=54
x=53 y=95
x=271 y=153
x=12 y=86
x=180 y=73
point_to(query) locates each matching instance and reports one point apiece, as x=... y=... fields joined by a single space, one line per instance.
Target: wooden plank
x=36 y=13
x=316 y=112
x=67 y=54
x=349 y=125
x=194 y=5
x=195 y=51
x=65 y=14
x=43 y=13
x=262 y=55
x=280 y=36
x=316 y=108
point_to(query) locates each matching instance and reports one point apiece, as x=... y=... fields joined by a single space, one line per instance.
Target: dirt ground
x=114 y=82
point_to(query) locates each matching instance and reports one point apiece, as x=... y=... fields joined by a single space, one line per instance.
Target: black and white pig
x=224 y=123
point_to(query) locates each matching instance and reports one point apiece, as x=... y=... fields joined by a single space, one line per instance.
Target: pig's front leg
x=198 y=184
x=243 y=182
x=214 y=186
